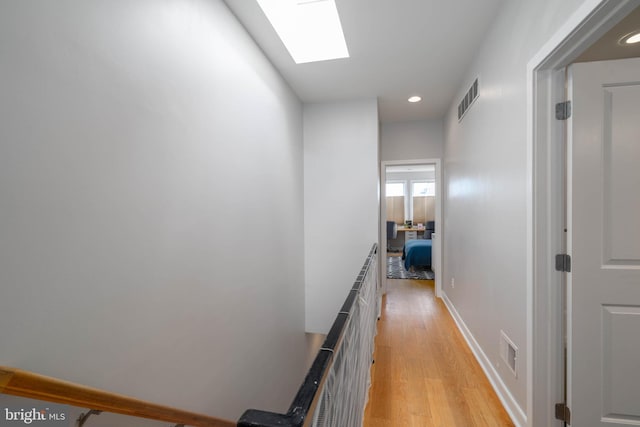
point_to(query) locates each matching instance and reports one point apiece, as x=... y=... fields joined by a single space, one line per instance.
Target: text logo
x=33 y=415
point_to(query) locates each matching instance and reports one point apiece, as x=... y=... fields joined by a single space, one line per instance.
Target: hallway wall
x=486 y=187
x=420 y=139
x=129 y=261
x=341 y=145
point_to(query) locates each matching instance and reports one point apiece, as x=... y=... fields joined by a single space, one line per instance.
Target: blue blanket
x=417 y=253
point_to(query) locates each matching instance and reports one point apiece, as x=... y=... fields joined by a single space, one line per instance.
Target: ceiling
x=411 y=168
x=398 y=48
x=607 y=47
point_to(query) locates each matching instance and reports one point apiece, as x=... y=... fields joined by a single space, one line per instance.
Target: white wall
x=128 y=260
x=422 y=139
x=340 y=200
x=485 y=187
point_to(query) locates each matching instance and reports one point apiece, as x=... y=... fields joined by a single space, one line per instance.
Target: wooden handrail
x=26 y=384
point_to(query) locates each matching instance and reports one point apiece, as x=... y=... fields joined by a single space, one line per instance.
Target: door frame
x=438 y=219
x=545 y=200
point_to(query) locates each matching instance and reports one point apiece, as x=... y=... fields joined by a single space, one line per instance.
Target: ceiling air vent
x=468 y=100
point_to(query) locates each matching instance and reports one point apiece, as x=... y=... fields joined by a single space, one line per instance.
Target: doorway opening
x=410 y=208
x=546 y=233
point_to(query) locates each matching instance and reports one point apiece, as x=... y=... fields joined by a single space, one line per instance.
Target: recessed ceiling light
x=310 y=29
x=630 y=38
x=415 y=98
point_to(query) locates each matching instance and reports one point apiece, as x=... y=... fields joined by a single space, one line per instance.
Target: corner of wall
x=517 y=414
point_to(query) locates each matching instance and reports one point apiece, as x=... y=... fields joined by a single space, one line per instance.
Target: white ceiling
x=410 y=168
x=607 y=46
x=398 y=48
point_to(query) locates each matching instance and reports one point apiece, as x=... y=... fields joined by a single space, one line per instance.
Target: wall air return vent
x=509 y=353
x=468 y=100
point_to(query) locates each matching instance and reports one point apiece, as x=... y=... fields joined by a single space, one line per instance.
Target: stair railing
x=17 y=382
x=334 y=391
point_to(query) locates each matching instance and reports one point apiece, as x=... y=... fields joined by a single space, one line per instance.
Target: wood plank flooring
x=424 y=373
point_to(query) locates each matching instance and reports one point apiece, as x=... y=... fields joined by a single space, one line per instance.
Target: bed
x=417 y=253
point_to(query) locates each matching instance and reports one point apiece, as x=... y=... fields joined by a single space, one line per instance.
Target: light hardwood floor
x=424 y=373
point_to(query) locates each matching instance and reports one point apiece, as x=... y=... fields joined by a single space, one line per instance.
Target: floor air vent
x=509 y=352
x=468 y=100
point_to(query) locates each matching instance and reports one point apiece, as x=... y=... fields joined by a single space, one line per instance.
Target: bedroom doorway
x=410 y=193
x=563 y=306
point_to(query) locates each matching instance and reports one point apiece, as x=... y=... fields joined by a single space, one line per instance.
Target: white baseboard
x=514 y=410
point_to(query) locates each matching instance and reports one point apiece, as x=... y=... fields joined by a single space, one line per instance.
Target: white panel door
x=604 y=242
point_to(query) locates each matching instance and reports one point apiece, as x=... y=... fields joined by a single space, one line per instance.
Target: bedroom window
x=395 y=189
x=423 y=189
x=395 y=195
x=422 y=201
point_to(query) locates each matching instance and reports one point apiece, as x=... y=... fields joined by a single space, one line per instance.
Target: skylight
x=310 y=29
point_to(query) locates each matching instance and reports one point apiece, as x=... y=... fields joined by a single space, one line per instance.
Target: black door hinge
x=563 y=110
x=563 y=263
x=563 y=413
